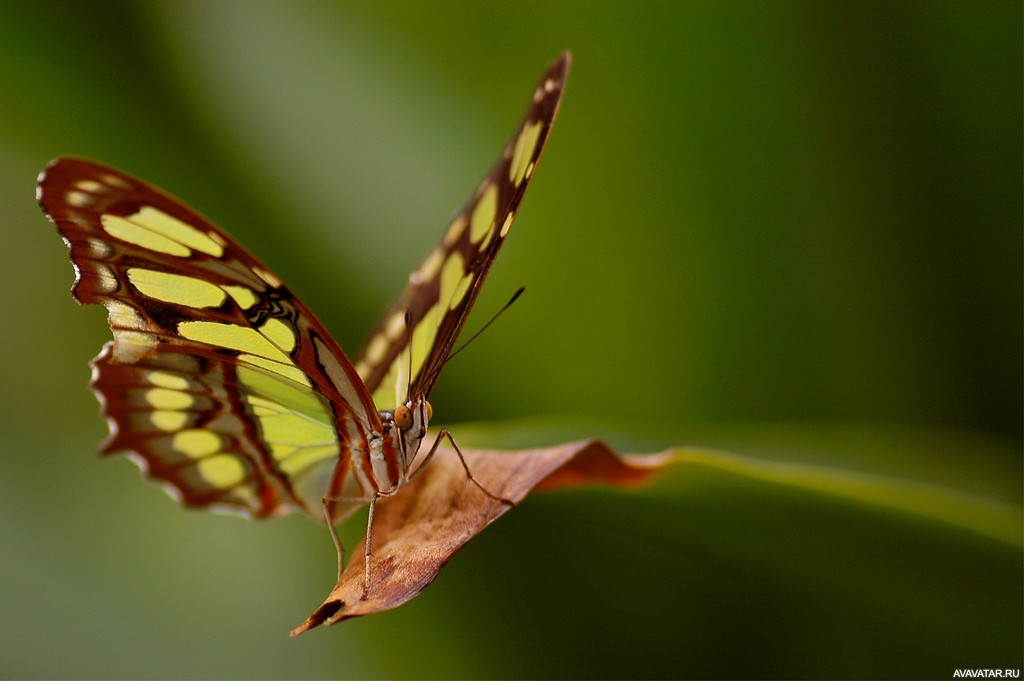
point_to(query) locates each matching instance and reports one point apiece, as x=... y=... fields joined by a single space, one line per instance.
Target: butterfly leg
x=446 y=434
x=334 y=535
x=328 y=504
x=368 y=552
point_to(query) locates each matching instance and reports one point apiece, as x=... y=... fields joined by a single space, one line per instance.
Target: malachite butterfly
x=223 y=386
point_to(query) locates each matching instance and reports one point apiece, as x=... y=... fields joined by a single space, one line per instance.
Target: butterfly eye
x=403 y=417
x=430 y=410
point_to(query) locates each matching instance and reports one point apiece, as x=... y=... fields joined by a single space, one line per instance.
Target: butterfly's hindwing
x=441 y=291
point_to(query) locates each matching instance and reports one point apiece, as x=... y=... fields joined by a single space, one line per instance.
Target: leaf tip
x=320 y=616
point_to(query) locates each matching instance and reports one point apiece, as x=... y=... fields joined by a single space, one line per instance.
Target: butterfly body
x=223 y=385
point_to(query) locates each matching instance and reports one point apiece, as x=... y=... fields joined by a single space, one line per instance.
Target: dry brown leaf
x=419 y=529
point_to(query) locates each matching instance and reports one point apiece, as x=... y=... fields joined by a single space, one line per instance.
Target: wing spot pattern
x=454 y=281
x=483 y=215
x=267 y=277
x=195 y=443
x=522 y=156
x=423 y=336
x=455 y=231
x=459 y=292
x=232 y=336
x=279 y=333
x=165 y=379
x=91 y=186
x=395 y=326
x=122 y=316
x=289 y=371
x=242 y=295
x=168 y=421
x=125 y=230
x=104 y=279
x=99 y=249
x=131 y=346
x=171 y=227
x=169 y=400
x=176 y=288
x=222 y=470
x=78 y=199
x=507 y=224
x=116 y=182
x=80 y=222
x=428 y=268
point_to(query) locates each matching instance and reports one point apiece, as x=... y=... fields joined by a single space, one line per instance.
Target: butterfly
x=221 y=383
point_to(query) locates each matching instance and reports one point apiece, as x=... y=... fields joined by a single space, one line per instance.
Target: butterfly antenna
x=408 y=344
x=483 y=328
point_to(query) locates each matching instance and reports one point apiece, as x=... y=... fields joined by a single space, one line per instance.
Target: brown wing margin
x=469 y=246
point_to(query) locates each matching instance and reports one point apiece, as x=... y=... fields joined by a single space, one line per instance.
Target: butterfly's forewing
x=442 y=290
x=219 y=380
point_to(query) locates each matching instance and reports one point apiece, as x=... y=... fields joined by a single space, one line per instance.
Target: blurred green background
x=791 y=229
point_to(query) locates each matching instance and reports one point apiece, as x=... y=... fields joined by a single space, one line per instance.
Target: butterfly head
x=410 y=421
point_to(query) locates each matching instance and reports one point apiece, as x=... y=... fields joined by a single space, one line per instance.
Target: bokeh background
x=790 y=229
